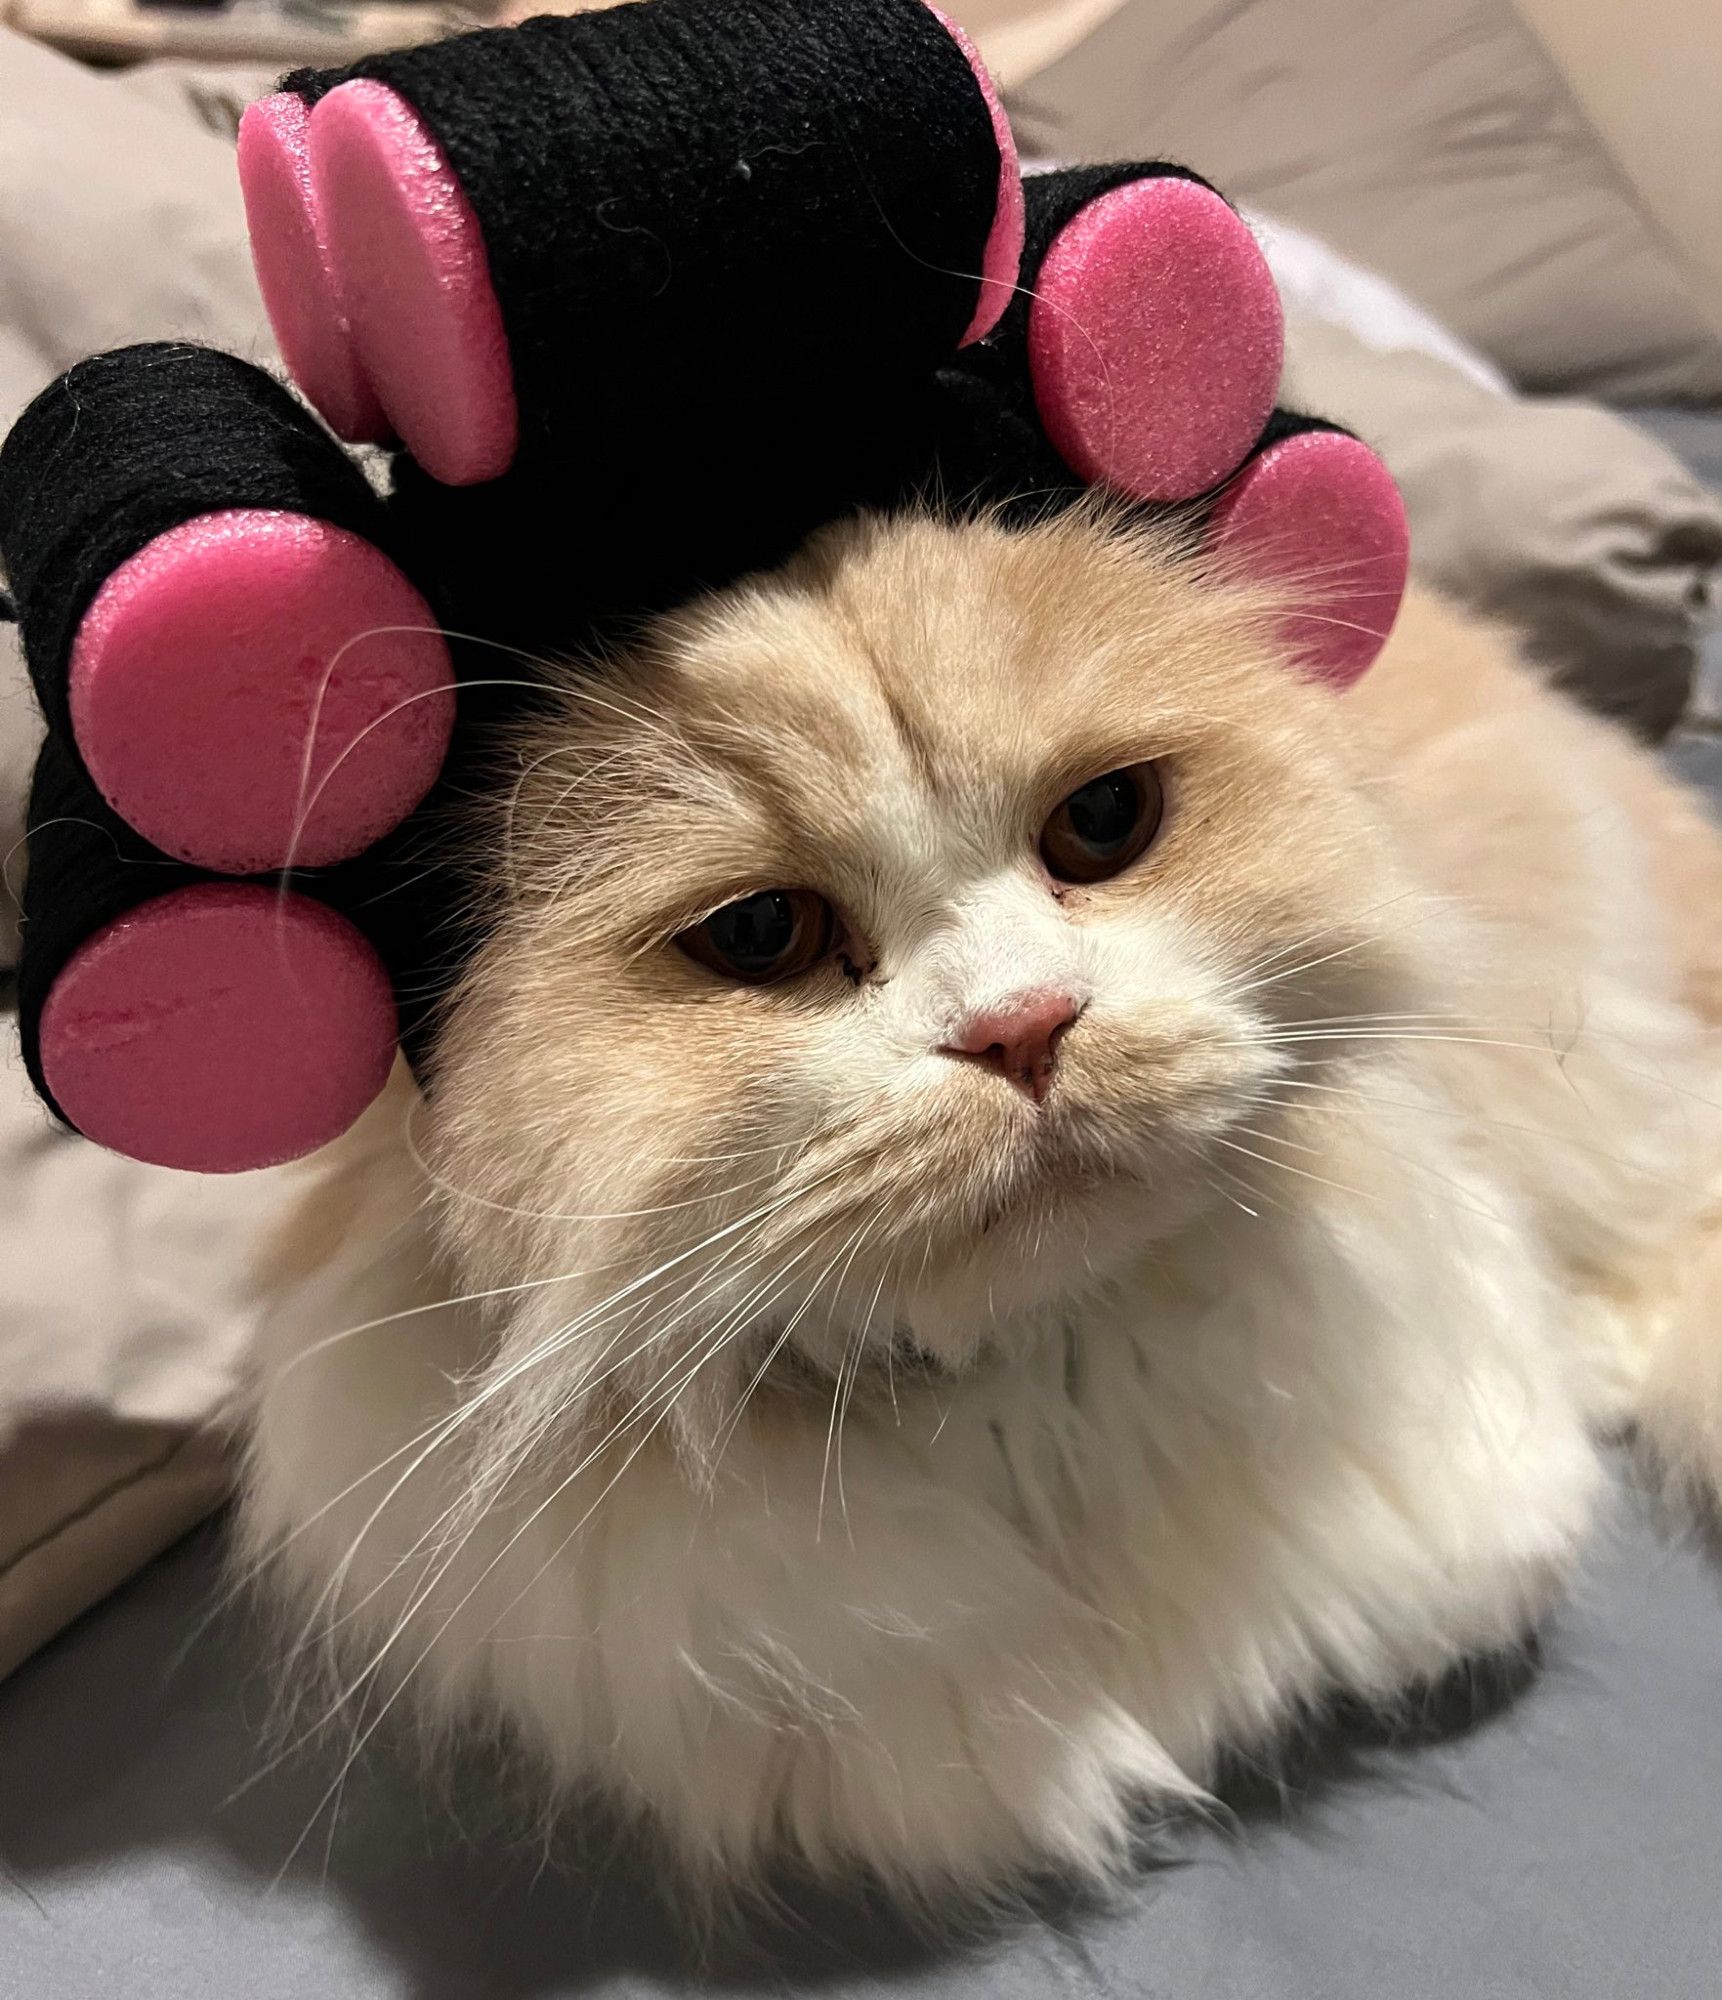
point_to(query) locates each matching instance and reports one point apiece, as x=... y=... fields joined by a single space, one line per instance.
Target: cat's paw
x=1677 y=1405
x=928 y=1703
x=946 y=1785
x=978 y=1790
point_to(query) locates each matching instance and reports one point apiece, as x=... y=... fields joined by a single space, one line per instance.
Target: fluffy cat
x=1145 y=1233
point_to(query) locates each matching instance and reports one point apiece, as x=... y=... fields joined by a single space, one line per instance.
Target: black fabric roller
x=210 y=623
x=583 y=225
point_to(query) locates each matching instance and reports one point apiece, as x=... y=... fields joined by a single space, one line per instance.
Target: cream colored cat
x=1017 y=1197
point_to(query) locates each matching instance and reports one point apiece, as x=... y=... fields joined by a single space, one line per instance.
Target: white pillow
x=1313 y=276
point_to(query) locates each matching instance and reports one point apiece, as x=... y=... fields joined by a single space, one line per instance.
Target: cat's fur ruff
x=833 y=1455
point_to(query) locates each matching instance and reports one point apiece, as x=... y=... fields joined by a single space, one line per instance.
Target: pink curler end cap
x=412 y=268
x=255 y=690
x=218 y=1028
x=1155 y=339
x=1001 y=261
x=1321 y=511
x=290 y=254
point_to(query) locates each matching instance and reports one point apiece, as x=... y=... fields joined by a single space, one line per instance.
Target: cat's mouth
x=1054 y=1176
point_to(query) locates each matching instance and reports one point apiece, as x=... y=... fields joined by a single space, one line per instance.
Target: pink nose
x=1020 y=1040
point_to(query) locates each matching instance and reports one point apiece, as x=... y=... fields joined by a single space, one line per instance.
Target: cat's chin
x=1053 y=1245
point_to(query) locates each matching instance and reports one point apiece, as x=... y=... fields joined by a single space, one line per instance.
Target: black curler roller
x=183 y=1019
x=247 y=678
x=1314 y=511
x=524 y=236
x=1148 y=329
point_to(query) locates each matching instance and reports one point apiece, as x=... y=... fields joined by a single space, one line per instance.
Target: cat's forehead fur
x=916 y=643
x=907 y=682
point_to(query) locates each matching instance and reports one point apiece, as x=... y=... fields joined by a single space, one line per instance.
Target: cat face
x=890 y=949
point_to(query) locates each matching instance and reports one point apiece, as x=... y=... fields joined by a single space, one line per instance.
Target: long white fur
x=925 y=1512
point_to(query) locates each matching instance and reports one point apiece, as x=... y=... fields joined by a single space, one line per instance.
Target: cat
x=1018 y=1198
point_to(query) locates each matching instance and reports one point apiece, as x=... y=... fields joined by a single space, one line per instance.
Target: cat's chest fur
x=982 y=1613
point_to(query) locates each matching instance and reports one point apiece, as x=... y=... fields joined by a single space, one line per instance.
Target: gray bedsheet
x=1562 y=1844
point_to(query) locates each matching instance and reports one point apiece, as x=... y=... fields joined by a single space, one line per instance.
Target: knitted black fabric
x=129 y=444
x=1283 y=424
x=699 y=198
x=988 y=451
x=416 y=894
x=1049 y=202
x=990 y=443
x=560 y=553
x=85 y=867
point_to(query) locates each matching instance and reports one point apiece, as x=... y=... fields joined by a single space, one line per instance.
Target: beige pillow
x=1436 y=141
x=1560 y=517
x=124 y=1326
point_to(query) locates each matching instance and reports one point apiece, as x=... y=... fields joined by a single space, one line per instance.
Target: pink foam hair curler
x=1318 y=512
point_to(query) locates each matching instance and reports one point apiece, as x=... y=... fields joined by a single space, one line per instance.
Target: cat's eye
x=765 y=937
x=1104 y=825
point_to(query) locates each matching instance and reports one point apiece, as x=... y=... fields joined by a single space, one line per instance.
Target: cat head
x=890 y=951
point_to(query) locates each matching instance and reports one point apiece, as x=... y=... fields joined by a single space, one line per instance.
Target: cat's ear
x=656 y=230
x=1315 y=513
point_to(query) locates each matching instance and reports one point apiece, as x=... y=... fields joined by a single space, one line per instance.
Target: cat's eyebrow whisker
x=1308 y=574
x=307 y=801
x=1313 y=617
x=510 y=835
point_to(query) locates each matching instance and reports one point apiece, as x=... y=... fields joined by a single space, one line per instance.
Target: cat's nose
x=1019 y=1040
